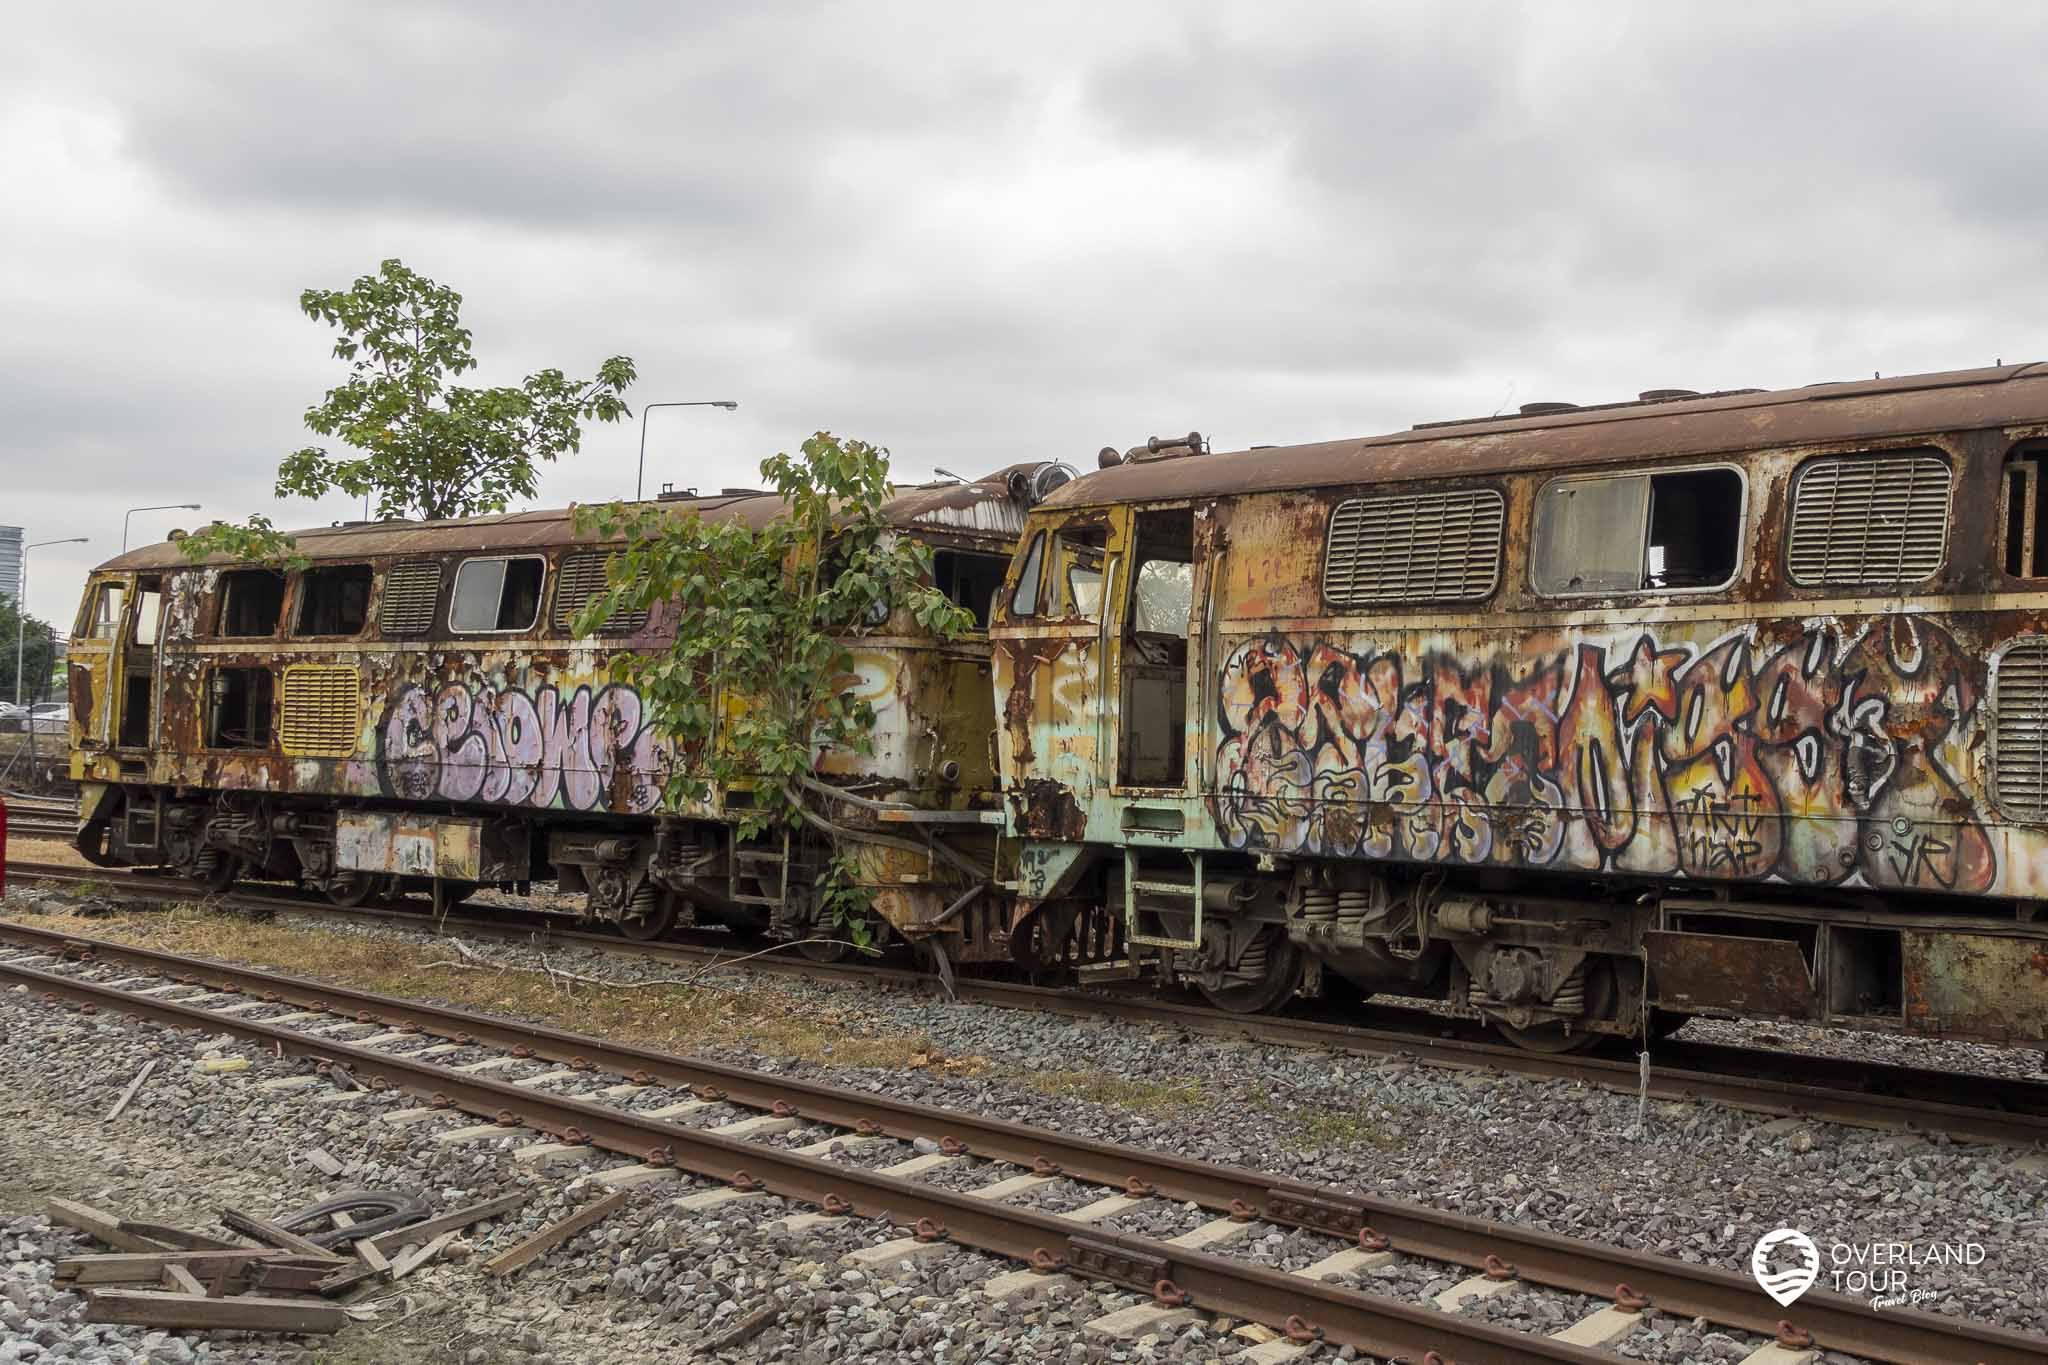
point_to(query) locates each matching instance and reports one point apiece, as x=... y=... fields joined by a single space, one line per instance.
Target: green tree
x=766 y=617
x=37 y=653
x=427 y=447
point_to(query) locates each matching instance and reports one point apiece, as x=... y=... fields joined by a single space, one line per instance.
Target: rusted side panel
x=1975 y=985
x=1750 y=976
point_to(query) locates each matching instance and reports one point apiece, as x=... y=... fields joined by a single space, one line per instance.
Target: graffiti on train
x=585 y=750
x=1812 y=761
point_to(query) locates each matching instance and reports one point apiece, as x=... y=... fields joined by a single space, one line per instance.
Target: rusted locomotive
x=412 y=708
x=1585 y=720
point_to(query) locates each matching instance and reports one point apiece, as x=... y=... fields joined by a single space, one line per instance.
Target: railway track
x=1966 y=1107
x=742 y=1112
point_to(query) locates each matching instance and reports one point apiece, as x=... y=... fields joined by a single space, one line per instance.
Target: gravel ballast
x=1695 y=1181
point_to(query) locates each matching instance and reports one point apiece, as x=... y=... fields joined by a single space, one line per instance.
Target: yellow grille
x=582 y=577
x=323 y=704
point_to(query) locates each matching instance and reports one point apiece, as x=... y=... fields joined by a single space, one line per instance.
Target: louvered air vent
x=1869 y=519
x=1414 y=547
x=2019 y=699
x=322 y=705
x=582 y=578
x=410 y=591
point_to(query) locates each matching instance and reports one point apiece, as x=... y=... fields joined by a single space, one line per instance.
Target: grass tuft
x=671 y=1018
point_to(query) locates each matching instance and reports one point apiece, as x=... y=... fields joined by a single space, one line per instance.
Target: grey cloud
x=976 y=239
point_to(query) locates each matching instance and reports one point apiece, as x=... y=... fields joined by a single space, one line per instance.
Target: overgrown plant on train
x=428 y=448
x=759 y=674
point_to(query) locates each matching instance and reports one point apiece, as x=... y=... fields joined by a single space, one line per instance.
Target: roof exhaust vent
x=1157 y=446
x=1036 y=486
x=1109 y=457
x=1545 y=409
x=1665 y=395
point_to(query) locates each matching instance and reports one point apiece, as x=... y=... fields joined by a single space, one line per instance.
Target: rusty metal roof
x=1865 y=410
x=988 y=506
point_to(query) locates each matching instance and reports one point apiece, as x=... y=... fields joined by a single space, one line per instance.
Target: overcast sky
x=977 y=239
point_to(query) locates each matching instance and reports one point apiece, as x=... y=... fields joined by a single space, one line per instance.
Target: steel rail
x=1540 y=1257
x=1863 y=1095
x=1217 y=1284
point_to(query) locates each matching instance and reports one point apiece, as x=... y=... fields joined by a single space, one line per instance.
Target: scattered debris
x=171 y=1277
x=133 y=1086
x=554 y=1233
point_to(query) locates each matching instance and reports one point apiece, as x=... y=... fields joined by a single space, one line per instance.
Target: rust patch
x=1758 y=976
x=1047 y=810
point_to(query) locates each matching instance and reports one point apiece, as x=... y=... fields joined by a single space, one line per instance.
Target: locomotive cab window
x=1628 y=533
x=969 y=580
x=251 y=601
x=1078 y=564
x=1024 y=601
x=106 y=612
x=2026 y=514
x=334 y=600
x=494 y=595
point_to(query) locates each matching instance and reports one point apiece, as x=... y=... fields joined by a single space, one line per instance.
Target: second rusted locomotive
x=1585 y=720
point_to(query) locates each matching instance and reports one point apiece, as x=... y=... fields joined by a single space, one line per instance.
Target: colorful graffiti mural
x=592 y=749
x=1821 y=760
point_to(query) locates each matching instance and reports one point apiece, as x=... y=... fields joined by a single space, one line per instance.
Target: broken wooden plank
x=292 y=1277
x=156 y=1308
x=179 y=1280
x=348 y=1277
x=146 y=1267
x=366 y=1251
x=413 y=1260
x=505 y=1262
x=454 y=1221
x=129 y=1093
x=319 y=1159
x=273 y=1235
x=100 y=1225
x=182 y=1238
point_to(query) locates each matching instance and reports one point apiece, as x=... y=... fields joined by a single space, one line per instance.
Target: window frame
x=96 y=610
x=1948 y=461
x=1735 y=573
x=1030 y=577
x=540 y=598
x=301 y=600
x=2036 y=452
x=221 y=594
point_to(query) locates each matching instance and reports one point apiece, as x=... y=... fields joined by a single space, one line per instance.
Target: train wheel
x=649 y=923
x=217 y=871
x=1278 y=965
x=351 y=888
x=826 y=944
x=1555 y=1036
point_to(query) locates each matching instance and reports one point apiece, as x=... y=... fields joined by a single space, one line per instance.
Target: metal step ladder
x=143 y=823
x=764 y=865
x=1134 y=886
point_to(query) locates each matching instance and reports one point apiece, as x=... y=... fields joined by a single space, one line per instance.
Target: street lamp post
x=160 y=507
x=640 y=479
x=21 y=610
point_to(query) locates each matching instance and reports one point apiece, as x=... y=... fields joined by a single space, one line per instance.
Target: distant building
x=10 y=562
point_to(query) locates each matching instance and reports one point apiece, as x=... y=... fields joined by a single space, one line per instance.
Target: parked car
x=13 y=719
x=51 y=718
